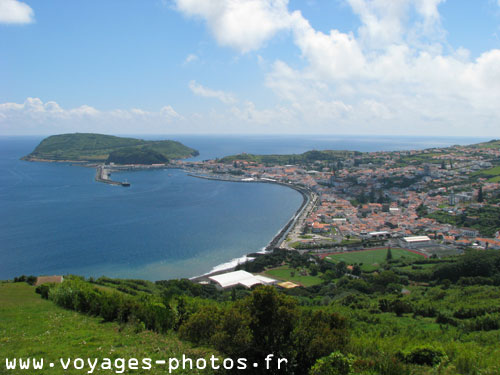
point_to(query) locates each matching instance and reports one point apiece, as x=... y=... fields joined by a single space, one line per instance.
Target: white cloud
x=199 y=90
x=15 y=12
x=391 y=77
x=33 y=116
x=169 y=113
x=190 y=58
x=241 y=24
x=333 y=55
x=394 y=75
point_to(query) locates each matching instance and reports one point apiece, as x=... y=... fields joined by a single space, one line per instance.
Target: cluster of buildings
x=382 y=194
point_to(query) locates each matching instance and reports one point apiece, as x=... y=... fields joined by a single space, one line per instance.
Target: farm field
x=285 y=274
x=493 y=174
x=370 y=259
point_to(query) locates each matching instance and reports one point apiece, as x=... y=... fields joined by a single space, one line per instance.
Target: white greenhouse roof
x=227 y=280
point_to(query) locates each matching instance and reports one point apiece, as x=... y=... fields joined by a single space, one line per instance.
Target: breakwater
x=102 y=175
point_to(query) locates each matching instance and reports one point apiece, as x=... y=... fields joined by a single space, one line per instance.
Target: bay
x=55 y=219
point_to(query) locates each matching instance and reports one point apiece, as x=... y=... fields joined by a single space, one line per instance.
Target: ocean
x=55 y=219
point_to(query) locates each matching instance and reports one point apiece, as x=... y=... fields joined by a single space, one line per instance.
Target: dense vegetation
x=31 y=327
x=305 y=158
x=98 y=147
x=136 y=155
x=407 y=316
x=485 y=219
x=492 y=174
x=494 y=143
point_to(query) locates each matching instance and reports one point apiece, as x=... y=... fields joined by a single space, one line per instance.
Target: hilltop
x=99 y=147
x=309 y=156
x=494 y=143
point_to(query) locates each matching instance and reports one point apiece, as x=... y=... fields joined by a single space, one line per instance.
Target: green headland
x=90 y=147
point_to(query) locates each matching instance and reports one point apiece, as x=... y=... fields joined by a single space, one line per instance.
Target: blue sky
x=250 y=66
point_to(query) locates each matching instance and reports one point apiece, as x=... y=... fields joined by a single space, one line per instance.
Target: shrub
x=23 y=278
x=43 y=290
x=201 y=326
x=443 y=318
x=424 y=355
x=488 y=322
x=334 y=364
x=112 y=306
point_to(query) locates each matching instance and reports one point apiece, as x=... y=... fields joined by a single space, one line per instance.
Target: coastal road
x=299 y=223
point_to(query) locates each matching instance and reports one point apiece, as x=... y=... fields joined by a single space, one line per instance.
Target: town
x=439 y=201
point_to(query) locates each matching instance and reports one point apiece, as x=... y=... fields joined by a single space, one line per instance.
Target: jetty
x=103 y=175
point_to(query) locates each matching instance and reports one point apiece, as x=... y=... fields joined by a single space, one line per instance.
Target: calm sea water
x=55 y=219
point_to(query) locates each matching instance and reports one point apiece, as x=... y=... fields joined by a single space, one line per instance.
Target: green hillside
x=408 y=317
x=98 y=147
x=494 y=143
x=136 y=155
x=306 y=157
x=33 y=327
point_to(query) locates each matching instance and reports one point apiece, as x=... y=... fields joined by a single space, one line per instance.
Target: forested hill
x=99 y=147
x=309 y=156
x=312 y=156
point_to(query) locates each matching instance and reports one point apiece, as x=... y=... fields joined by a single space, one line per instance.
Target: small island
x=90 y=148
x=107 y=152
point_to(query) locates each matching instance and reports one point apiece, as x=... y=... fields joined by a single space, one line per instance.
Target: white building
x=416 y=241
x=243 y=278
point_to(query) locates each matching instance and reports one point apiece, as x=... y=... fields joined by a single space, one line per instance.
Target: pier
x=103 y=175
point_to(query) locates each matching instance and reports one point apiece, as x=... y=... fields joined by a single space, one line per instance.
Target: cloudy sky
x=426 y=67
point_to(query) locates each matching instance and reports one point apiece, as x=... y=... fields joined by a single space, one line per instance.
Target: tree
x=421 y=210
x=389 y=254
x=371 y=196
x=356 y=270
x=340 y=269
x=480 y=197
x=313 y=268
x=201 y=326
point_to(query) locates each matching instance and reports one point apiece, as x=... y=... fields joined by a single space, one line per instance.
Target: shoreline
x=276 y=240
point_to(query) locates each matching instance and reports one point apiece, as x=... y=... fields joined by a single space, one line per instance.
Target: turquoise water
x=55 y=219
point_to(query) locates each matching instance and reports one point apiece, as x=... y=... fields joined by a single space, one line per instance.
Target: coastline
x=275 y=241
x=278 y=239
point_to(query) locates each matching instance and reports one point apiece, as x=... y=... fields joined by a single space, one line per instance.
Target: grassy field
x=493 y=174
x=33 y=327
x=370 y=259
x=285 y=273
x=490 y=144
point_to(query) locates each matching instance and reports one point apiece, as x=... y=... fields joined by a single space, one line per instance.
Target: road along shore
x=309 y=201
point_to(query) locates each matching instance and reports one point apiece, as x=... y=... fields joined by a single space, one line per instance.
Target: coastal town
x=439 y=200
